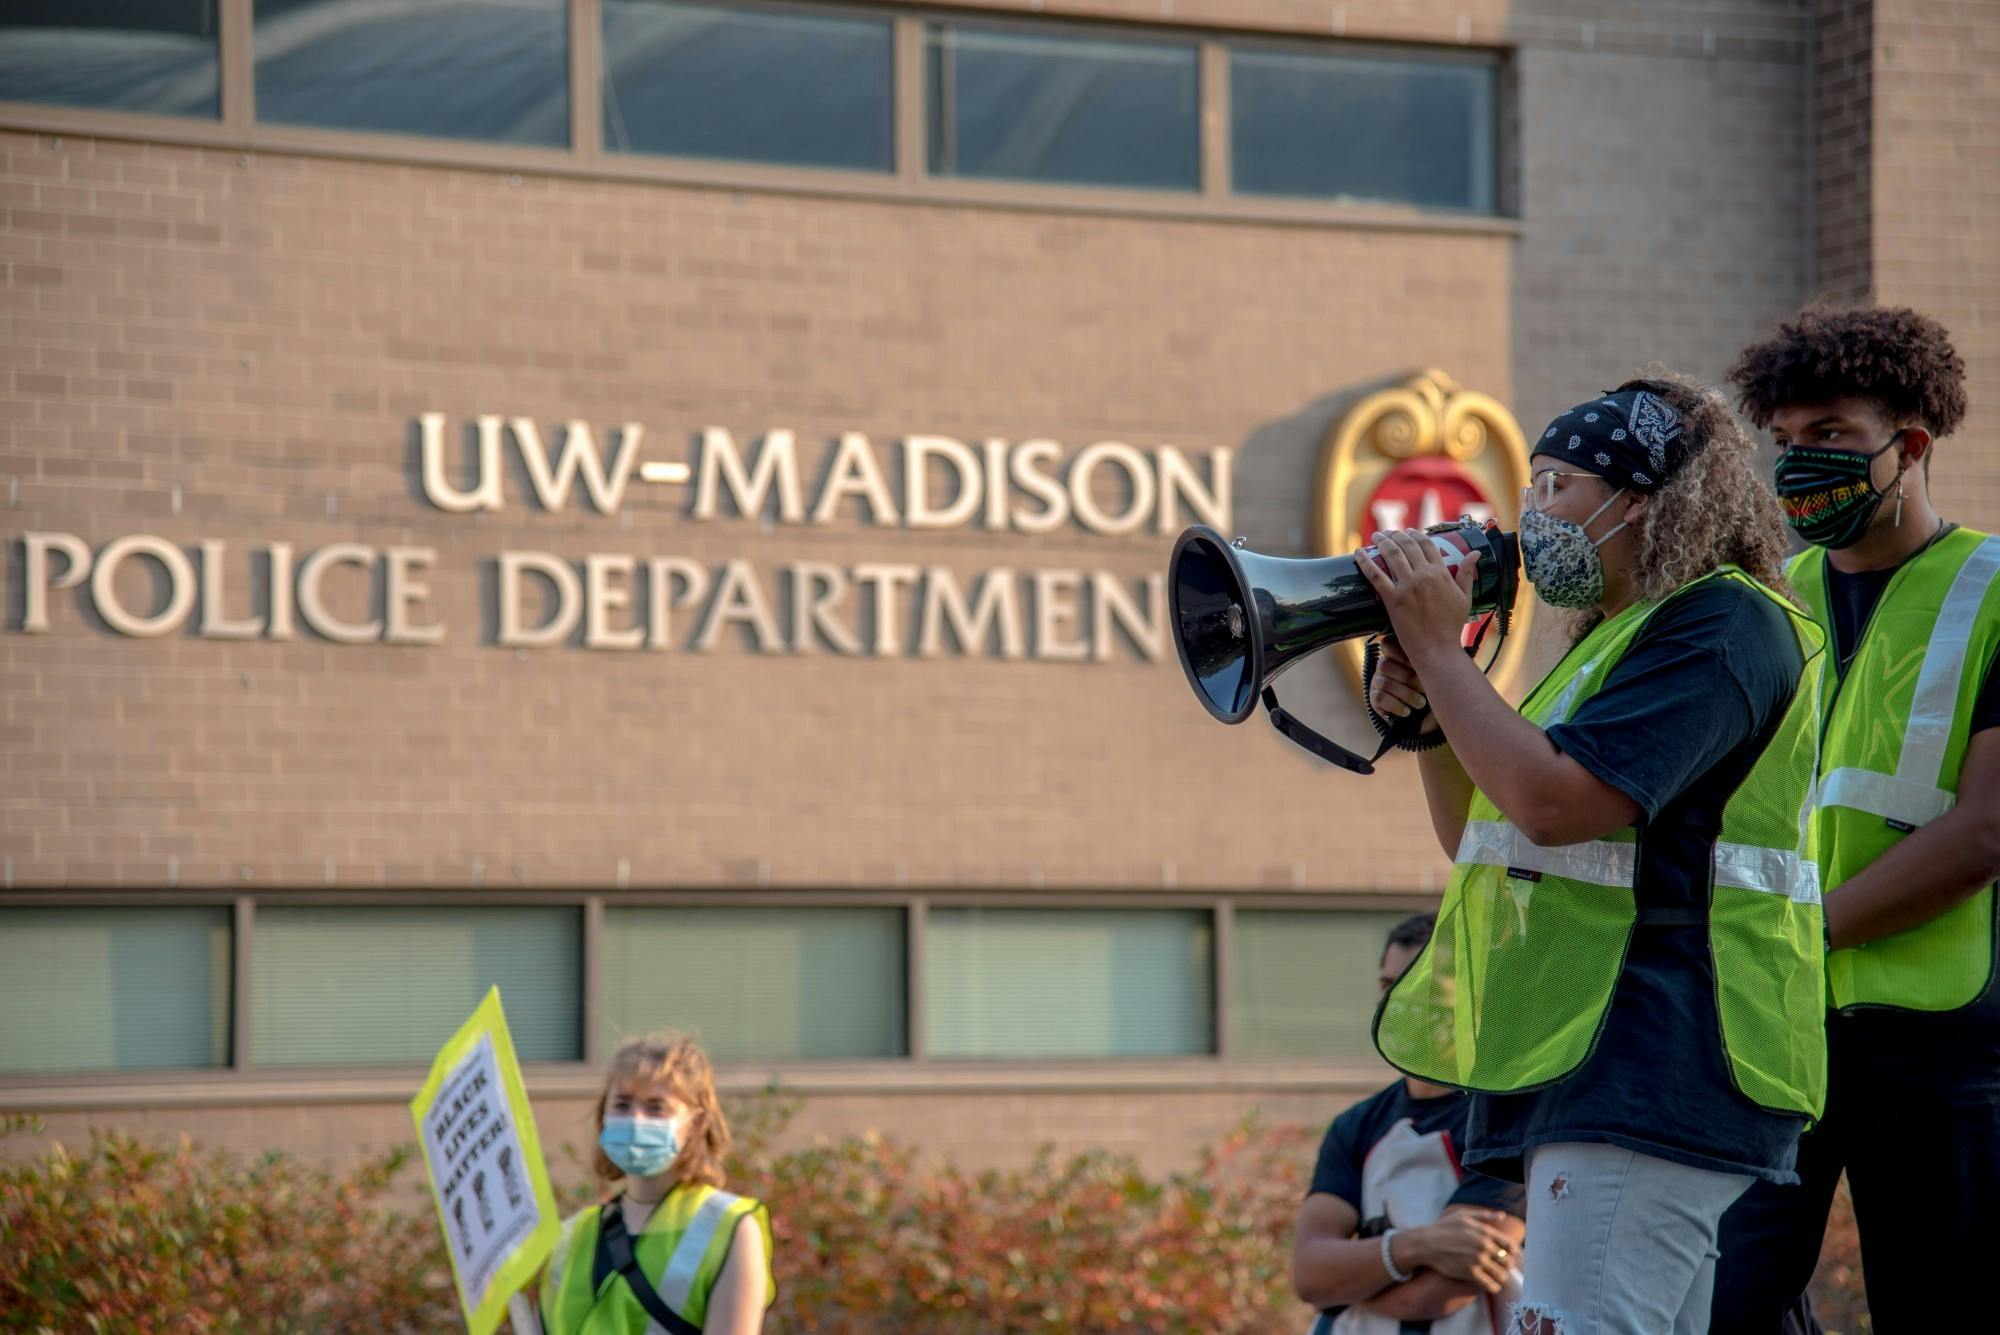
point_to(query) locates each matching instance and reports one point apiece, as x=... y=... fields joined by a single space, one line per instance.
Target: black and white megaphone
x=1240 y=619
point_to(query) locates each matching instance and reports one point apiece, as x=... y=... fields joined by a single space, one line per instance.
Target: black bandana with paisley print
x=1631 y=439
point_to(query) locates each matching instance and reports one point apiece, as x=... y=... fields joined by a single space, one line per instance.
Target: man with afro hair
x=1907 y=820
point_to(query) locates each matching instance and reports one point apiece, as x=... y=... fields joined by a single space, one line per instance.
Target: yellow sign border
x=519 y=1269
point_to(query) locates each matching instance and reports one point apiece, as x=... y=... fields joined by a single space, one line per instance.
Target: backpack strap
x=615 y=1254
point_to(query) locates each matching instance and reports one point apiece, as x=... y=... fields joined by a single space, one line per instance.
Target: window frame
x=1196 y=42
x=1498 y=62
x=238 y=131
x=241 y=1083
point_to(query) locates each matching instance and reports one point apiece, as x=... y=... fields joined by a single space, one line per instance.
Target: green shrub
x=125 y=1237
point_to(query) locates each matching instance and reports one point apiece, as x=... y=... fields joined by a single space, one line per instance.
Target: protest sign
x=494 y=1199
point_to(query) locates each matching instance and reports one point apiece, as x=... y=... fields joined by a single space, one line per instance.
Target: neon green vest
x=1896 y=732
x=682 y=1251
x=1513 y=988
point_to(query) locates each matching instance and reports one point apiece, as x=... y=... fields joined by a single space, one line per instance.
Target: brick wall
x=1843 y=176
x=1664 y=187
x=1936 y=241
x=207 y=345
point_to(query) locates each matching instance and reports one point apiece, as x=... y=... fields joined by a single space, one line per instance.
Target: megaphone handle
x=1325 y=748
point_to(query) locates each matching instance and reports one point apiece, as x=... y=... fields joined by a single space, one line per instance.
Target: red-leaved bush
x=121 y=1236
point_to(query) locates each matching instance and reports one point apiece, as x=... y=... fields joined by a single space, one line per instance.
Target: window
x=1026 y=106
x=1303 y=984
x=1405 y=130
x=813 y=90
x=374 y=985
x=1067 y=982
x=128 y=55
x=495 y=70
x=109 y=989
x=758 y=984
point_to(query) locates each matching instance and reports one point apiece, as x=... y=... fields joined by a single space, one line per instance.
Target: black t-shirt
x=1355 y=1132
x=1343 y=1154
x=1677 y=726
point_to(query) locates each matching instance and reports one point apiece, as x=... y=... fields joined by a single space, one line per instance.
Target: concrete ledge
x=224 y=1089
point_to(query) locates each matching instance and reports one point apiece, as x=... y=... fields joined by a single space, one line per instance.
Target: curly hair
x=1900 y=360
x=1715 y=511
x=681 y=1063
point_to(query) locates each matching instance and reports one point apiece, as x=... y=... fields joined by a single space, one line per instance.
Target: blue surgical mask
x=640 y=1146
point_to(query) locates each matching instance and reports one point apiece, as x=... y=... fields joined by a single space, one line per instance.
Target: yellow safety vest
x=682 y=1250
x=1896 y=730
x=1513 y=988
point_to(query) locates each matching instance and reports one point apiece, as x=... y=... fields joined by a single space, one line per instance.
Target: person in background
x=1908 y=827
x=670 y=1250
x=1395 y=1236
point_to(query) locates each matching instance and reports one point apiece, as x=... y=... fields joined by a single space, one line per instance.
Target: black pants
x=1913 y=1116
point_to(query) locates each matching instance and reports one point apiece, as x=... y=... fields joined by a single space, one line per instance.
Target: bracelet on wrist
x=1389 y=1260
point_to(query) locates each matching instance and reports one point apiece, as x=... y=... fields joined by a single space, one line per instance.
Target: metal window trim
x=920 y=189
x=1221 y=975
x=241 y=1081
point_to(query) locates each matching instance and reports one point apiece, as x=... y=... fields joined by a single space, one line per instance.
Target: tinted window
x=1343 y=126
x=1019 y=983
x=812 y=90
x=361 y=986
x=495 y=70
x=1049 y=107
x=758 y=984
x=1304 y=984
x=113 y=989
x=129 y=55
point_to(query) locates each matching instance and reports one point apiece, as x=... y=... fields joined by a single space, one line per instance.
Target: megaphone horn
x=1240 y=618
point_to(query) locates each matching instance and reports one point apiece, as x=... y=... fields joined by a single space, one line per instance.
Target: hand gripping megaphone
x=1240 y=618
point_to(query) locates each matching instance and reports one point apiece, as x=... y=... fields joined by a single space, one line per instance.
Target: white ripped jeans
x=1619 y=1243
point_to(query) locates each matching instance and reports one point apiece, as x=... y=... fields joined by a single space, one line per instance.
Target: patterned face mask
x=1560 y=558
x=1829 y=496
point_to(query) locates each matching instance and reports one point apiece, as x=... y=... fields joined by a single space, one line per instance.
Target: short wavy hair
x=1901 y=361
x=1715 y=511
x=680 y=1061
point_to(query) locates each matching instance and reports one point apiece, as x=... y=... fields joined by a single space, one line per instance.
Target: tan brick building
x=303 y=749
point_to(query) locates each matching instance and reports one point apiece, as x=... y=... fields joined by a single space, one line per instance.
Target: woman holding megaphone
x=1627 y=965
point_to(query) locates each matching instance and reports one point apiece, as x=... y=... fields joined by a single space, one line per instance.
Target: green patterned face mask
x=1829 y=496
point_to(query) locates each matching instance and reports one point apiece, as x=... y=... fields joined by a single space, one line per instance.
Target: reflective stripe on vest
x=677 y=1285
x=1775 y=871
x=1913 y=795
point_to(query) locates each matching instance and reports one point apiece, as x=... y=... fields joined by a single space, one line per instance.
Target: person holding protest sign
x=671 y=1250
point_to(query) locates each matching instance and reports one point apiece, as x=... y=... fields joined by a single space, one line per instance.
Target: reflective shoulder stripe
x=1885 y=795
x=1775 y=871
x=1566 y=702
x=677 y=1285
x=1496 y=843
x=1935 y=704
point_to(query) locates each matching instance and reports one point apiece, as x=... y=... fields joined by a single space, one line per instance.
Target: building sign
x=1421 y=453
x=644 y=596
